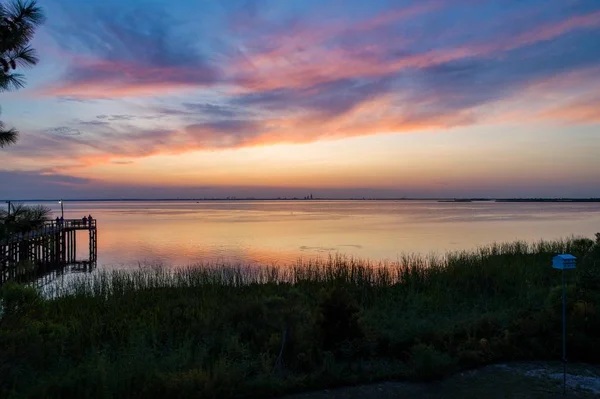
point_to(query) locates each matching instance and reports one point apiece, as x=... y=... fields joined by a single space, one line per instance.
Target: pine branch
x=25 y=56
x=11 y=81
x=8 y=137
x=26 y=12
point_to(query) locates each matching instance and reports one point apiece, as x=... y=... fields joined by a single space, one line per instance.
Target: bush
x=581 y=246
x=17 y=299
x=426 y=363
x=339 y=326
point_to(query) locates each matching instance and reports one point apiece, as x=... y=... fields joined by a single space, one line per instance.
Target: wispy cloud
x=306 y=63
x=137 y=54
x=299 y=79
x=121 y=162
x=580 y=111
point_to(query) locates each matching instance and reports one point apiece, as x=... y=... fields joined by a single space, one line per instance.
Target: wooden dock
x=50 y=248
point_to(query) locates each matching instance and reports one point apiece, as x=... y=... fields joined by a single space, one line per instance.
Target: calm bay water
x=280 y=232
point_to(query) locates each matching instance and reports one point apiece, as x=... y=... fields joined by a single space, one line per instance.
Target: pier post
x=53 y=245
x=63 y=246
x=74 y=245
x=56 y=247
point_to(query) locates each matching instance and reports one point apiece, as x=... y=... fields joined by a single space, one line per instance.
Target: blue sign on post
x=564 y=262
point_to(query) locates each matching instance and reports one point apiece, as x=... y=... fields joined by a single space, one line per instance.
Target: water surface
x=281 y=232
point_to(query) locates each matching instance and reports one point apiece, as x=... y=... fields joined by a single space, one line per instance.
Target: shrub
x=339 y=325
x=426 y=363
x=17 y=299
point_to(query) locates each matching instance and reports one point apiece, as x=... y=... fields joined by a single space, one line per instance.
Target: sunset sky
x=187 y=98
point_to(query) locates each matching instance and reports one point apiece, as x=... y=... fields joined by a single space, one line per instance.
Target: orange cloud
x=581 y=111
x=380 y=114
x=374 y=116
x=303 y=88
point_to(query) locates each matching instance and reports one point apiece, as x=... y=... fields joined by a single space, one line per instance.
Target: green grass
x=233 y=332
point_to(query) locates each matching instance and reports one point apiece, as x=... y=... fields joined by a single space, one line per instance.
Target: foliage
x=8 y=136
x=427 y=363
x=17 y=299
x=338 y=320
x=256 y=332
x=18 y=22
x=21 y=218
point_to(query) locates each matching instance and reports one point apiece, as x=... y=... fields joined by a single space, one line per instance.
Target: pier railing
x=51 y=227
x=53 y=244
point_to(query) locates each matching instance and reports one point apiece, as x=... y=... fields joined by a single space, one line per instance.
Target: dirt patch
x=514 y=380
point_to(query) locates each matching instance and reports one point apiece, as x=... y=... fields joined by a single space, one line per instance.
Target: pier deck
x=51 y=246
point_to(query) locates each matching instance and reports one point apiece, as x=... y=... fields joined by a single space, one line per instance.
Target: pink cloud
x=94 y=78
x=397 y=15
x=302 y=88
x=551 y=31
x=580 y=111
x=302 y=62
x=299 y=57
x=375 y=116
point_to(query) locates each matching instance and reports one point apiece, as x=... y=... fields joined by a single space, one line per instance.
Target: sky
x=338 y=98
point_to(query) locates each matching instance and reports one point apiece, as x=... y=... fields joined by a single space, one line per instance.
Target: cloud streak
x=135 y=55
x=262 y=78
x=581 y=111
x=306 y=64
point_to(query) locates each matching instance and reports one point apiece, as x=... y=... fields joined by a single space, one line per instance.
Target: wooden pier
x=49 y=248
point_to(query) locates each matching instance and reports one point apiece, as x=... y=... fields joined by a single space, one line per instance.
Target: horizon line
x=356 y=198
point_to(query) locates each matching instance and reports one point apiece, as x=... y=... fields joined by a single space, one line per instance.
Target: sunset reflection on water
x=281 y=232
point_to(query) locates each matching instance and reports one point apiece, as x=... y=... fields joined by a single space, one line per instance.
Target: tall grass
x=507 y=260
x=236 y=331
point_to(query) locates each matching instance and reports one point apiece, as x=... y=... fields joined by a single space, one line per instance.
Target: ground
x=514 y=381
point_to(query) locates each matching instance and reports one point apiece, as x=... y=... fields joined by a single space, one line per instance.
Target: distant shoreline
x=230 y=199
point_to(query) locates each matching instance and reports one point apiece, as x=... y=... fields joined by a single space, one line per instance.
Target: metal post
x=564 y=311
x=62 y=209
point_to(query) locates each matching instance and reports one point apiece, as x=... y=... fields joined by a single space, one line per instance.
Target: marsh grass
x=219 y=331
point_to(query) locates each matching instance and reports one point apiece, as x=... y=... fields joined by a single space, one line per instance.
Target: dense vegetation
x=19 y=218
x=233 y=332
x=19 y=20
